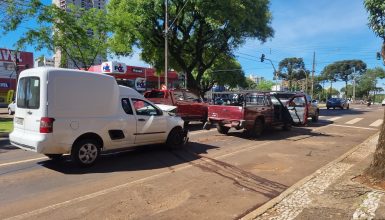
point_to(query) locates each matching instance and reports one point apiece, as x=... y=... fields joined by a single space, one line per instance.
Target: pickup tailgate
x=225 y=113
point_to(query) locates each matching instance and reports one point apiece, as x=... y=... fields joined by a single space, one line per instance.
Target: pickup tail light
x=46 y=125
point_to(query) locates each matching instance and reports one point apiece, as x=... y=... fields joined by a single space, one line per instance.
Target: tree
x=376 y=10
x=224 y=72
x=249 y=84
x=200 y=32
x=292 y=69
x=78 y=33
x=330 y=74
x=265 y=85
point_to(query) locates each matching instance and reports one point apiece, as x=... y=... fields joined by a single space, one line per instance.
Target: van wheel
x=175 y=139
x=222 y=129
x=258 y=128
x=54 y=156
x=85 y=152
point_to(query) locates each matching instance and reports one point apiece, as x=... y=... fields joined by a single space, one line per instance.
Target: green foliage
x=376 y=10
x=265 y=85
x=292 y=69
x=200 y=33
x=78 y=33
x=250 y=84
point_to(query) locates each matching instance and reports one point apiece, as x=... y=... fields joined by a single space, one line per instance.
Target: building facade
x=9 y=73
x=87 y=4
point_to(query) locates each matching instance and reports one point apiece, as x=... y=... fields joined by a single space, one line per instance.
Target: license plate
x=19 y=121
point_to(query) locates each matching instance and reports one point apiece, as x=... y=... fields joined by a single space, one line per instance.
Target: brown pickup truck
x=254 y=111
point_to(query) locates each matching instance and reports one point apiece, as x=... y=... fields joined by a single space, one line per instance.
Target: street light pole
x=354 y=84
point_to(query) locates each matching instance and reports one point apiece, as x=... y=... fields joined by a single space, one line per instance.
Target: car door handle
x=29 y=112
x=141 y=119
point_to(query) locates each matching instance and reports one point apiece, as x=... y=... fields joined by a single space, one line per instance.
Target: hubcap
x=88 y=153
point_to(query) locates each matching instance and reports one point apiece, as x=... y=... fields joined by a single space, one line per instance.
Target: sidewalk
x=331 y=192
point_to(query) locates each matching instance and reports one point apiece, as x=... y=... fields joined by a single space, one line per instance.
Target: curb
x=271 y=203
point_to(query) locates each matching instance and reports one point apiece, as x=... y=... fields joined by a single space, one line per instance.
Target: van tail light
x=46 y=125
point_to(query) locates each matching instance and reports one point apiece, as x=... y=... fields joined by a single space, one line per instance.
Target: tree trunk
x=383 y=51
x=377 y=167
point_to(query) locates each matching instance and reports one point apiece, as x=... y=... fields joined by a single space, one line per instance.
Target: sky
x=332 y=29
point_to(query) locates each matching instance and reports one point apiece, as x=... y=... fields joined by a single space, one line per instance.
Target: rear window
x=28 y=94
x=154 y=94
x=284 y=96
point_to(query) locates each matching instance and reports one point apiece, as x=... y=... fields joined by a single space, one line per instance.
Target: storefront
x=139 y=78
x=8 y=75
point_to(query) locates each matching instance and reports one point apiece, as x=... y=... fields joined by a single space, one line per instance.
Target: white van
x=62 y=111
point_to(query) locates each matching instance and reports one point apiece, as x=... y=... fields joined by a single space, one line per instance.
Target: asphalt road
x=214 y=177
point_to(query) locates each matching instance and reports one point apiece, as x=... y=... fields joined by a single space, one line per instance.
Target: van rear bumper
x=36 y=142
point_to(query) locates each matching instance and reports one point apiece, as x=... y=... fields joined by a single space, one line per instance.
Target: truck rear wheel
x=257 y=128
x=223 y=129
x=85 y=152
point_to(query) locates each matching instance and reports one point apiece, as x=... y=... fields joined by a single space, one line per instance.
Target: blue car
x=337 y=103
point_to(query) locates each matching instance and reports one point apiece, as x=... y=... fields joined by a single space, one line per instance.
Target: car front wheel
x=175 y=139
x=85 y=152
x=10 y=112
x=315 y=117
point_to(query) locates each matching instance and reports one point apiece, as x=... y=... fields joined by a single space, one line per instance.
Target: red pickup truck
x=255 y=111
x=189 y=106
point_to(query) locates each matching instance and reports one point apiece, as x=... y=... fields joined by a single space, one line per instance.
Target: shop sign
x=137 y=70
x=114 y=67
x=4 y=85
x=140 y=84
x=9 y=55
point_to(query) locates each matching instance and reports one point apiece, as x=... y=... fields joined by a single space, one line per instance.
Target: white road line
x=334 y=119
x=322 y=116
x=22 y=161
x=354 y=121
x=246 y=147
x=376 y=123
x=368 y=207
x=347 y=126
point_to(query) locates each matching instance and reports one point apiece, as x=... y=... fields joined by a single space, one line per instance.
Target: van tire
x=85 y=152
x=175 y=139
x=222 y=129
x=54 y=156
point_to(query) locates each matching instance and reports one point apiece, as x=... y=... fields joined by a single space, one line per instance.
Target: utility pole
x=312 y=76
x=165 y=44
x=354 y=83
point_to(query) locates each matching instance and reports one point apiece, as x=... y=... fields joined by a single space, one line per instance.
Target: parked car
x=312 y=104
x=11 y=108
x=383 y=102
x=256 y=111
x=337 y=103
x=82 y=114
x=189 y=106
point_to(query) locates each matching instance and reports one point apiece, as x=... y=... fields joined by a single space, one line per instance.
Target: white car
x=61 y=111
x=383 y=102
x=11 y=108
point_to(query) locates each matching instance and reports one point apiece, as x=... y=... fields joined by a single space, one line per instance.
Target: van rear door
x=29 y=106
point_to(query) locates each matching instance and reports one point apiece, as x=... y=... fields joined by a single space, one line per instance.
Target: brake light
x=46 y=125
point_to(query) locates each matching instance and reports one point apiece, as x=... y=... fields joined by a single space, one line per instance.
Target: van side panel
x=78 y=94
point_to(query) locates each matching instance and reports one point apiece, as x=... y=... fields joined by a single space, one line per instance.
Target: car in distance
x=383 y=102
x=337 y=103
x=11 y=108
x=62 y=111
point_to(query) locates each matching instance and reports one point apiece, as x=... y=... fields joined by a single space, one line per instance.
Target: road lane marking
x=376 y=123
x=334 y=119
x=347 y=126
x=354 y=121
x=246 y=147
x=22 y=161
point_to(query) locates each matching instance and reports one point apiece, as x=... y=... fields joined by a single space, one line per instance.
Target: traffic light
x=378 y=56
x=263 y=57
